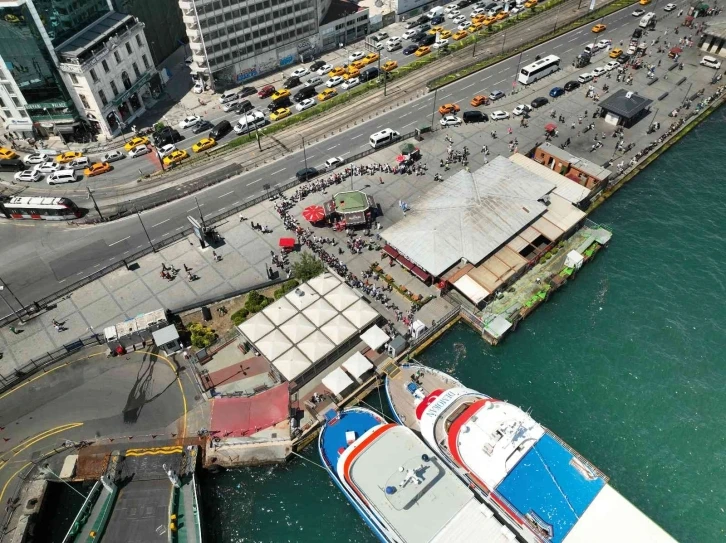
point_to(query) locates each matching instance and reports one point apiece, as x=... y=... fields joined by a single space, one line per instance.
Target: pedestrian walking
x=14 y=330
x=186 y=268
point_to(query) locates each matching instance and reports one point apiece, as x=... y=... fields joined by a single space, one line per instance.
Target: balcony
x=199 y=59
x=189 y=20
x=196 y=46
x=193 y=32
x=186 y=6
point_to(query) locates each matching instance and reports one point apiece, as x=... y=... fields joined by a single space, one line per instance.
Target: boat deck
x=409 y=386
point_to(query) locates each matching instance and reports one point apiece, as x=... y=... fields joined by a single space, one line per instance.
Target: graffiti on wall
x=249 y=73
x=289 y=59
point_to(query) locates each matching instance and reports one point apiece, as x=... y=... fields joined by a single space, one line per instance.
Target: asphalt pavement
x=40 y=258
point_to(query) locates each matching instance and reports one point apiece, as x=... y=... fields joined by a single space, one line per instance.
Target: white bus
x=538 y=69
x=647 y=18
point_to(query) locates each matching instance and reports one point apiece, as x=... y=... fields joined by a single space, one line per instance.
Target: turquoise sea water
x=627 y=364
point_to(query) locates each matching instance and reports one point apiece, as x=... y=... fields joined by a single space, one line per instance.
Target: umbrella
x=676 y=51
x=314 y=213
x=550 y=127
x=400 y=158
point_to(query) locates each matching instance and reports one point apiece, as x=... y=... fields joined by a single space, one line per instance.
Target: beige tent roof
x=319 y=312
x=297 y=328
x=374 y=337
x=342 y=297
x=279 y=311
x=292 y=363
x=471 y=289
x=337 y=381
x=315 y=346
x=324 y=283
x=357 y=365
x=338 y=329
x=256 y=327
x=273 y=345
x=360 y=314
x=302 y=296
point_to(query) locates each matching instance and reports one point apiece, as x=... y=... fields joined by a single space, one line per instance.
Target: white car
x=138 y=151
x=710 y=62
x=441 y=44
x=334 y=81
x=450 y=120
x=28 y=175
x=77 y=163
x=356 y=55
x=378 y=46
x=314 y=81
x=451 y=7
x=325 y=69
x=407 y=35
x=631 y=50
x=464 y=25
x=305 y=104
x=48 y=167
x=112 y=156
x=188 y=122
x=584 y=78
x=597 y=72
x=521 y=109
x=499 y=115
x=669 y=7
x=382 y=35
x=166 y=150
x=393 y=40
x=459 y=19
x=333 y=162
x=300 y=72
x=354 y=82
x=638 y=13
x=229 y=106
x=515 y=10
x=480 y=9
x=454 y=13
x=38 y=158
x=604 y=44
x=610 y=66
x=198 y=87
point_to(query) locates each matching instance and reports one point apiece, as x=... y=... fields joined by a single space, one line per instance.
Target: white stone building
x=107 y=68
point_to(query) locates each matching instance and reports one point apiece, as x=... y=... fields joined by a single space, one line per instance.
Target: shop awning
x=357 y=365
x=337 y=381
x=418 y=272
x=405 y=262
x=390 y=251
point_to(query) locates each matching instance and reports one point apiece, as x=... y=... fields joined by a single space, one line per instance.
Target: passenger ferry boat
x=403 y=491
x=546 y=491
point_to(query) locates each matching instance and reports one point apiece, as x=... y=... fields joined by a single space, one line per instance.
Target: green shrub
x=202 y=336
x=238 y=317
x=307 y=267
x=286 y=287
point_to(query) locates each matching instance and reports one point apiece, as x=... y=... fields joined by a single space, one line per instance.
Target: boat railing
x=577 y=455
x=505 y=506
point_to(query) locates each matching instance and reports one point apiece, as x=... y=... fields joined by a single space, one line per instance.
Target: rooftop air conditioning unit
x=629 y=94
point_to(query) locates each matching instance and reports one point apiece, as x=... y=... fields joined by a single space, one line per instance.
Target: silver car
x=112 y=156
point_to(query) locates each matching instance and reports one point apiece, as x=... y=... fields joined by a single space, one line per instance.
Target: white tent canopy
x=315 y=346
x=337 y=381
x=273 y=345
x=297 y=328
x=342 y=297
x=324 y=283
x=374 y=337
x=279 y=311
x=339 y=329
x=256 y=327
x=360 y=314
x=302 y=296
x=471 y=289
x=320 y=312
x=357 y=365
x=292 y=363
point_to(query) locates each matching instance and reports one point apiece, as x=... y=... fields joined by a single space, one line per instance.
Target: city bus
x=39 y=208
x=538 y=69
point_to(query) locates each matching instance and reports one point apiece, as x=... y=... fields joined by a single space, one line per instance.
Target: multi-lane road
x=39 y=259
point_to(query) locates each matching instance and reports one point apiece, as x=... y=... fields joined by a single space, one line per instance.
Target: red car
x=266 y=91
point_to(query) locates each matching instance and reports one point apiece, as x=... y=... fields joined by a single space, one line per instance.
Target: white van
x=647 y=18
x=438 y=10
x=62 y=176
x=384 y=137
x=590 y=49
x=228 y=96
x=248 y=123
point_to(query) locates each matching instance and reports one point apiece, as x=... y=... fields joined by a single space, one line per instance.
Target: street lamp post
x=90 y=195
x=144 y=227
x=305 y=156
x=433 y=109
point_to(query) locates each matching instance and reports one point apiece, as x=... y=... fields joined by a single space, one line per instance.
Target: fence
x=441 y=323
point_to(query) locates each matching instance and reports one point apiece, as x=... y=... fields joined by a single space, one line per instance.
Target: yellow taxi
x=97 y=169
x=204 y=144
x=278 y=94
x=479 y=100
x=460 y=35
x=133 y=142
x=338 y=70
x=68 y=156
x=175 y=157
x=644 y=2
x=371 y=57
x=7 y=154
x=435 y=29
x=475 y=27
x=357 y=65
x=423 y=50
x=351 y=73
x=479 y=18
x=327 y=94
x=449 y=108
x=489 y=21
x=390 y=66
x=615 y=53
x=501 y=15
x=280 y=113
x=530 y=3
x=598 y=28
x=445 y=34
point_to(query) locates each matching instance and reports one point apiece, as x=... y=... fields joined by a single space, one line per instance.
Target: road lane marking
x=447 y=95
x=188 y=210
x=409 y=124
x=162 y=222
x=119 y=241
x=570 y=49
x=358 y=136
x=557 y=46
x=464 y=88
x=379 y=126
x=226 y=194
x=255 y=181
x=333 y=147
x=573 y=39
x=423 y=107
x=278 y=171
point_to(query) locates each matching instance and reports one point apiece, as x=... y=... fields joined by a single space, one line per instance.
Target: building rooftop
x=470 y=215
x=625 y=103
x=94 y=34
x=716 y=26
x=586 y=166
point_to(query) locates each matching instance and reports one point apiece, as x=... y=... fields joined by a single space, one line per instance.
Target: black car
x=474 y=117
x=437 y=20
x=166 y=136
x=539 y=102
x=368 y=74
x=410 y=49
x=637 y=33
x=277 y=104
x=315 y=66
x=306 y=92
x=571 y=85
x=244 y=106
x=428 y=39
x=424 y=27
x=307 y=173
x=624 y=58
x=246 y=91
x=418 y=37
x=202 y=126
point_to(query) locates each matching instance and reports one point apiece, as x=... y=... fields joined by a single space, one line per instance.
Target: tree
x=202 y=336
x=307 y=267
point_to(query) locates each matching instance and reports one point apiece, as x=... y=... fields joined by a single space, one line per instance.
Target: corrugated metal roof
x=469 y=215
x=567 y=188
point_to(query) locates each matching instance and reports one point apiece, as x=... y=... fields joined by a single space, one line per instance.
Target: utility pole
x=144 y=227
x=305 y=156
x=504 y=40
x=382 y=74
x=201 y=217
x=433 y=109
x=516 y=73
x=4 y=286
x=686 y=96
x=90 y=195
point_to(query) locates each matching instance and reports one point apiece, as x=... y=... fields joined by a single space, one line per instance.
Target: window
x=94 y=76
x=102 y=96
x=114 y=89
x=16 y=101
x=23 y=113
x=136 y=70
x=74 y=79
x=2 y=102
x=126 y=80
x=105 y=65
x=128 y=48
x=145 y=61
x=117 y=57
x=138 y=41
x=84 y=101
